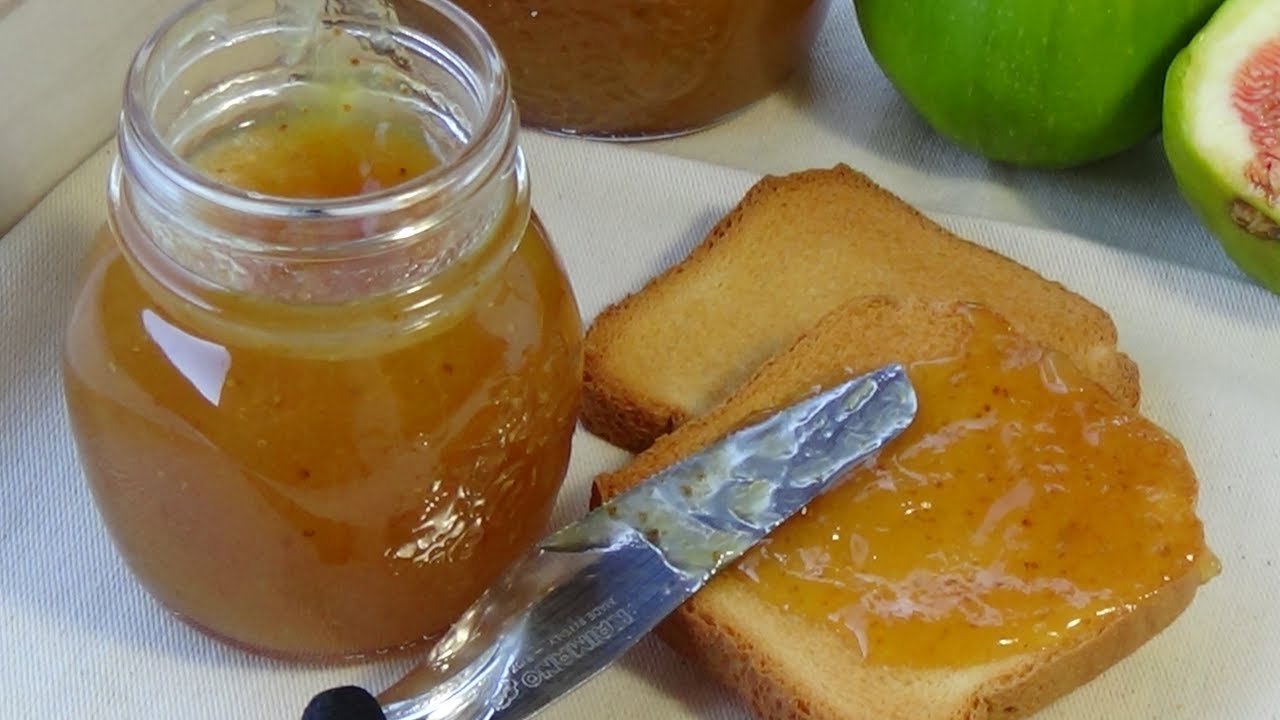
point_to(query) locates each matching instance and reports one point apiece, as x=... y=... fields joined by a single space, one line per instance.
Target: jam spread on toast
x=1022 y=506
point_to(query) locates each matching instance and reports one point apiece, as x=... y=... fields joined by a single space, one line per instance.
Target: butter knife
x=591 y=590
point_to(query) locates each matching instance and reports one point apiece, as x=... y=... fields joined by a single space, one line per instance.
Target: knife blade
x=588 y=592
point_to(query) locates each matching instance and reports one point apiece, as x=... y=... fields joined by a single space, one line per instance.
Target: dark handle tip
x=344 y=703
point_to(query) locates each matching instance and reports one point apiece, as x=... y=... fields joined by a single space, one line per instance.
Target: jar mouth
x=481 y=74
x=219 y=66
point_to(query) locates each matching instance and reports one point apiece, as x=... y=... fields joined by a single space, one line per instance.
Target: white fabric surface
x=62 y=65
x=82 y=640
x=61 y=104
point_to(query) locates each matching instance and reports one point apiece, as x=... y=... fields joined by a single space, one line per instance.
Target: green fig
x=1044 y=83
x=1222 y=132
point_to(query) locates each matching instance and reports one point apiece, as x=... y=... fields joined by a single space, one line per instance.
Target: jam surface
x=636 y=68
x=314 y=505
x=1022 y=506
x=330 y=148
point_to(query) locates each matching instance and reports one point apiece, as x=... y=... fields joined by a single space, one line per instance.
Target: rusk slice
x=787 y=665
x=795 y=247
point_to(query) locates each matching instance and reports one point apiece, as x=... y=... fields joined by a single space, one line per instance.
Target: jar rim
x=491 y=85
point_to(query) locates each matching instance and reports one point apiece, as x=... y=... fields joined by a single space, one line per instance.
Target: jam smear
x=1023 y=506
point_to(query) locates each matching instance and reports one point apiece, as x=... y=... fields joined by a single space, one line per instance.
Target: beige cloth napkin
x=62 y=67
x=82 y=640
x=62 y=63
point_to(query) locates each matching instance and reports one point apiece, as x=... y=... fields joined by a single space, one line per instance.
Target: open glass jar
x=637 y=69
x=324 y=366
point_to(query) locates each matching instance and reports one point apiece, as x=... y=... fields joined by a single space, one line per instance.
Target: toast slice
x=795 y=247
x=787 y=665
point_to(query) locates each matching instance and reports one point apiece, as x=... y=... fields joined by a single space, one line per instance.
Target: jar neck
x=219 y=62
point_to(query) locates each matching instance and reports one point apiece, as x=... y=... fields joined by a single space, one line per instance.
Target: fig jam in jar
x=636 y=69
x=324 y=365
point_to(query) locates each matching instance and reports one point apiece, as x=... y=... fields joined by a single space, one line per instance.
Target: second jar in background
x=636 y=69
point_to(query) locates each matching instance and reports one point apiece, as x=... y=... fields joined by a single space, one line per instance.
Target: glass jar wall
x=635 y=69
x=323 y=369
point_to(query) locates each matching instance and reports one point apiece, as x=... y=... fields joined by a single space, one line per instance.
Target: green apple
x=1222 y=132
x=1045 y=83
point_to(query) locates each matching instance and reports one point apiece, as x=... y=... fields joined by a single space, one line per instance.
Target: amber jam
x=315 y=429
x=1021 y=507
x=643 y=68
x=326 y=148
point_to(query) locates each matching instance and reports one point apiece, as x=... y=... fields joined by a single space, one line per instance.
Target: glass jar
x=323 y=369
x=637 y=69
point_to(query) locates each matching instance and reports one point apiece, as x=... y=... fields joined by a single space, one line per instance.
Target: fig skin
x=1038 y=83
x=1206 y=184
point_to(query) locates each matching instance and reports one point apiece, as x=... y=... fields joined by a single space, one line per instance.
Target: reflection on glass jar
x=324 y=366
x=642 y=68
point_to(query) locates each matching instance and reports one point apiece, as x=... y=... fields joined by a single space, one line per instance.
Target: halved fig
x=1222 y=132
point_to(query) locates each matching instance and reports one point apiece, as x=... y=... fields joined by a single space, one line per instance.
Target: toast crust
x=729 y=630
x=794 y=248
x=733 y=635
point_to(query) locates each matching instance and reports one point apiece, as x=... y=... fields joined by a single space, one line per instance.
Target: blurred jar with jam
x=323 y=369
x=642 y=69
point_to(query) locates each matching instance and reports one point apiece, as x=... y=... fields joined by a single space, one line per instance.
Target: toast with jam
x=1026 y=532
x=793 y=249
